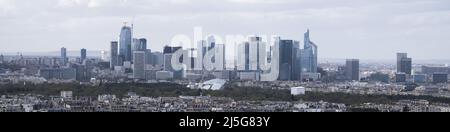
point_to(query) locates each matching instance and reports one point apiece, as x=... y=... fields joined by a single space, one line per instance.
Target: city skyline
x=416 y=27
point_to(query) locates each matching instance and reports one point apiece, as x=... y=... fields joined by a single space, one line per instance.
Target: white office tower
x=257 y=51
x=139 y=65
x=201 y=51
x=219 y=57
x=242 y=56
x=251 y=54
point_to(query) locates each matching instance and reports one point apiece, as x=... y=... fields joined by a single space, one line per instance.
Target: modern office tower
x=400 y=77
x=149 y=59
x=440 y=77
x=203 y=46
x=352 y=69
x=158 y=58
x=211 y=42
x=64 y=58
x=219 y=57
x=168 y=53
x=290 y=68
x=168 y=62
x=399 y=58
x=251 y=54
x=257 y=51
x=404 y=64
x=243 y=60
x=419 y=78
x=431 y=70
x=217 y=54
x=139 y=44
x=309 y=55
x=125 y=41
x=83 y=55
x=201 y=52
x=114 y=56
x=83 y=73
x=139 y=65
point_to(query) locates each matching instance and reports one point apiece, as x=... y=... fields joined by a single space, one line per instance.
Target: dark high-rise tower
x=309 y=55
x=352 y=69
x=64 y=58
x=83 y=55
x=114 y=56
x=125 y=41
x=404 y=64
x=290 y=68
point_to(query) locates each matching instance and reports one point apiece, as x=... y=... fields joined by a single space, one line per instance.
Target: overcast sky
x=365 y=29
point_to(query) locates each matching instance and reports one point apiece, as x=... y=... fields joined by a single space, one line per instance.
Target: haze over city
x=342 y=28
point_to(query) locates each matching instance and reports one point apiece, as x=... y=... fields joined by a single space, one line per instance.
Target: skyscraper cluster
x=252 y=60
x=130 y=54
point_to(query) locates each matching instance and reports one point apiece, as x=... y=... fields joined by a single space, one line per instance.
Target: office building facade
x=139 y=64
x=125 y=41
x=64 y=58
x=404 y=64
x=114 y=56
x=352 y=69
x=309 y=55
x=83 y=55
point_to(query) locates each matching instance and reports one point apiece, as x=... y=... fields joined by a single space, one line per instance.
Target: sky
x=364 y=29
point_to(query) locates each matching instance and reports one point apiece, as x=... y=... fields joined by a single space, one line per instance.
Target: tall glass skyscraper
x=404 y=64
x=139 y=44
x=290 y=68
x=63 y=56
x=125 y=41
x=251 y=54
x=309 y=55
x=83 y=55
x=139 y=64
x=352 y=69
x=114 y=57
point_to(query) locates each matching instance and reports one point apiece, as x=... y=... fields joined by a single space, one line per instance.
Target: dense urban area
x=131 y=78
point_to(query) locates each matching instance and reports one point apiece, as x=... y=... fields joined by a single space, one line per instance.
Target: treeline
x=235 y=92
x=118 y=89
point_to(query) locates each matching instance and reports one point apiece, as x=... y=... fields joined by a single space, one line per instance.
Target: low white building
x=66 y=94
x=298 y=91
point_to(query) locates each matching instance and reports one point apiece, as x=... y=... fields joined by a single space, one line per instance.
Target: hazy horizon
x=363 y=29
